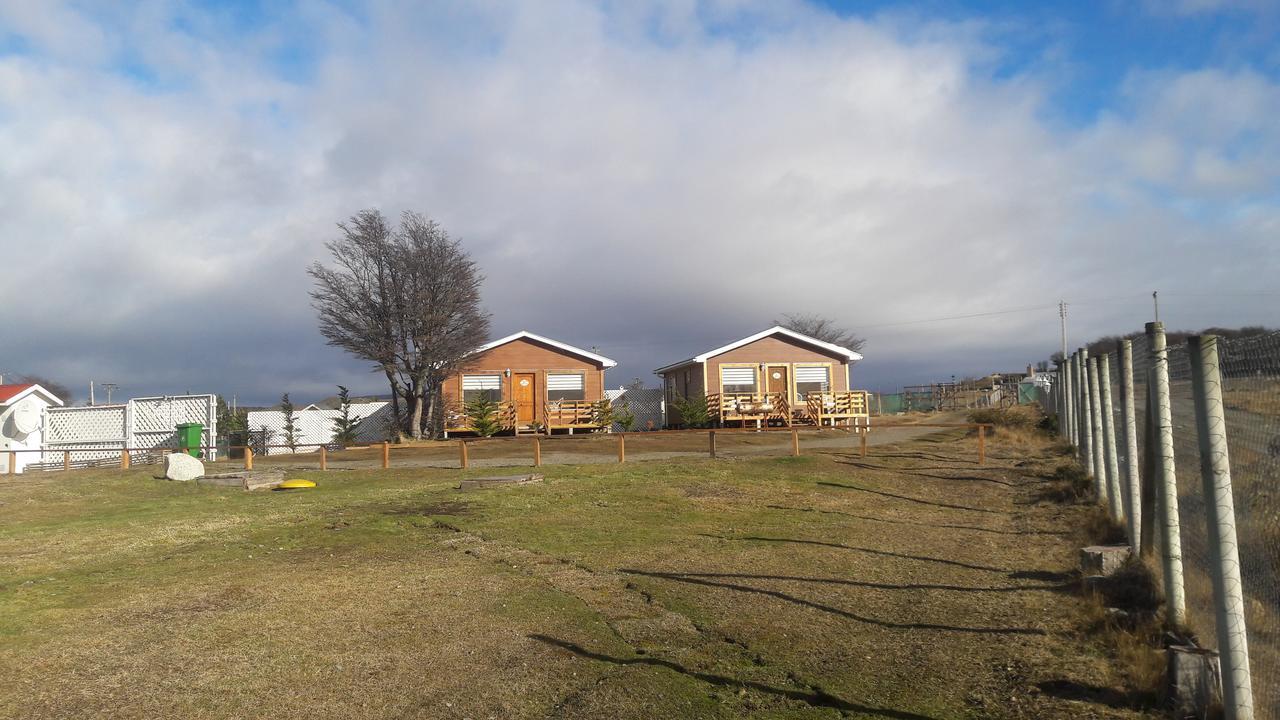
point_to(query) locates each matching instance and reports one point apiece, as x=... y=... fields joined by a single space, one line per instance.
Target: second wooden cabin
x=777 y=376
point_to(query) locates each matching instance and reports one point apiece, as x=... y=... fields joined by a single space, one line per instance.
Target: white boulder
x=183 y=467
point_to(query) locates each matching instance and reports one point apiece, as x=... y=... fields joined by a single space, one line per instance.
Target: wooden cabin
x=777 y=376
x=539 y=384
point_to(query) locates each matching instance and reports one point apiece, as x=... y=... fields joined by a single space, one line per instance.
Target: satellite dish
x=26 y=416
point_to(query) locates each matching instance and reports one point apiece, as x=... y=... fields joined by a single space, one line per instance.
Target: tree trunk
x=432 y=392
x=415 y=417
x=395 y=394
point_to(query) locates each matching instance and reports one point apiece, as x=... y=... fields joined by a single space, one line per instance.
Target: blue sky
x=163 y=161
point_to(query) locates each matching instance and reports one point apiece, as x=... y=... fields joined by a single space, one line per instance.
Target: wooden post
x=982 y=444
x=66 y=459
x=711 y=443
x=537 y=451
x=622 y=447
x=13 y=463
x=795 y=443
x=124 y=459
x=248 y=458
x=386 y=455
x=863 y=441
x=324 y=458
x=463 y=461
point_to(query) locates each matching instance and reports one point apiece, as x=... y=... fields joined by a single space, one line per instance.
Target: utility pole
x=1062 y=315
x=110 y=388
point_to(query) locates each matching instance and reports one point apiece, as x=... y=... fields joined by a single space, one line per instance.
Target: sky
x=651 y=180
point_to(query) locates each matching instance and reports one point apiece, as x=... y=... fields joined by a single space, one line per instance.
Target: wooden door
x=777 y=380
x=522 y=393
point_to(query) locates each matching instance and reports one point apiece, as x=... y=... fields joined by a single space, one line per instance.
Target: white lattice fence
x=99 y=433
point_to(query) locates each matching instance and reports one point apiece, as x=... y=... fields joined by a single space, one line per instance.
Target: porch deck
x=833 y=409
x=568 y=415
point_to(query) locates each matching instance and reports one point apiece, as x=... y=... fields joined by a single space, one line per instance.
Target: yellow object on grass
x=296 y=483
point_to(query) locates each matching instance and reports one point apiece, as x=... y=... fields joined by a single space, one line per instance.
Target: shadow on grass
x=915 y=472
x=682 y=578
x=815 y=697
x=871 y=551
x=1082 y=692
x=908 y=498
x=866 y=584
x=872 y=518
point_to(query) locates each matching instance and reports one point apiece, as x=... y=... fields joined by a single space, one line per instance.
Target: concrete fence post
x=1114 y=501
x=1086 y=424
x=1065 y=425
x=1132 y=488
x=1095 y=433
x=1220 y=521
x=1073 y=377
x=1166 y=480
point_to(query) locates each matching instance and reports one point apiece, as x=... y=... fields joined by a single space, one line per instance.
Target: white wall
x=32 y=441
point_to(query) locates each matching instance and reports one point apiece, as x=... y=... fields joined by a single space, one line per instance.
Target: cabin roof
x=844 y=352
x=525 y=334
x=11 y=394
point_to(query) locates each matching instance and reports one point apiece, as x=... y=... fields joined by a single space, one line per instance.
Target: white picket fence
x=98 y=433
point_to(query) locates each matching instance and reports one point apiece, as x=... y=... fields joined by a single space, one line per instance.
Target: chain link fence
x=1250 y=374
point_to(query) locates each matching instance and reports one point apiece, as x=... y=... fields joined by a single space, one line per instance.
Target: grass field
x=911 y=584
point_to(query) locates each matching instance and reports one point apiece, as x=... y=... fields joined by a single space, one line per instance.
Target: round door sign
x=777 y=376
x=524 y=382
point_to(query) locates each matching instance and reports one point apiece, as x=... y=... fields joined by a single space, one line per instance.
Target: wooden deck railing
x=817 y=408
x=837 y=406
x=557 y=414
x=748 y=406
x=455 y=420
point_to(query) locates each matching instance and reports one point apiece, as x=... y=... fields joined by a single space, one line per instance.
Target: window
x=738 y=379
x=565 y=386
x=812 y=379
x=476 y=386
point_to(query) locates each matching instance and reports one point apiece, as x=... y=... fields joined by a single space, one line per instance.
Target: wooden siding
x=530 y=356
x=779 y=350
x=687 y=381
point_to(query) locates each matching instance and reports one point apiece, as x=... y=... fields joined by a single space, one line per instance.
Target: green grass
x=771 y=587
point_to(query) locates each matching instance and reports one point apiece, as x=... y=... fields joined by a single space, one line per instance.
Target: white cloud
x=643 y=182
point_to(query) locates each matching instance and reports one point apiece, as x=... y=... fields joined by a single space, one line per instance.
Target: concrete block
x=247 y=480
x=1193 y=685
x=1103 y=559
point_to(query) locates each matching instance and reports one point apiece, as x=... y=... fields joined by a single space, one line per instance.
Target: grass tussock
x=1123 y=616
x=1068 y=484
x=1098 y=528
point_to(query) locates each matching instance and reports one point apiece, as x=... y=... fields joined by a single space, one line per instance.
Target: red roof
x=8 y=391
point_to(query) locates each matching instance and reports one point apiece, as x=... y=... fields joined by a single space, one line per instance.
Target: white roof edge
x=775 y=330
x=34 y=387
x=673 y=366
x=554 y=343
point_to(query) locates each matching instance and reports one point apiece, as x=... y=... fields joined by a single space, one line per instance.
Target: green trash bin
x=189 y=435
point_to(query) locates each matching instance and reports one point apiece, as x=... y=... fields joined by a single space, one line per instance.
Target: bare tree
x=821 y=328
x=407 y=300
x=62 y=392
